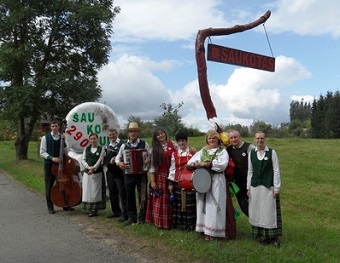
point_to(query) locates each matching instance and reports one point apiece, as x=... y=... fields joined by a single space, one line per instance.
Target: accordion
x=134 y=160
x=110 y=153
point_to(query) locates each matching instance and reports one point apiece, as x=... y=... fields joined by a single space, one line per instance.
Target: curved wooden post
x=201 y=62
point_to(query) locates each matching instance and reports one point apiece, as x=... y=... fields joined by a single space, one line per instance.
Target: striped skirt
x=184 y=208
x=270 y=233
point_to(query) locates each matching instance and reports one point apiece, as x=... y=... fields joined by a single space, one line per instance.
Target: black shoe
x=112 y=216
x=68 y=208
x=93 y=213
x=275 y=242
x=129 y=222
x=262 y=240
x=122 y=219
x=51 y=211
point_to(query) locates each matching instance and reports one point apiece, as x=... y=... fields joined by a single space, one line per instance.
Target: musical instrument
x=198 y=180
x=134 y=160
x=109 y=154
x=66 y=192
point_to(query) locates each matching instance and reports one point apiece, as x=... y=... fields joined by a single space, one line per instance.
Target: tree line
x=51 y=51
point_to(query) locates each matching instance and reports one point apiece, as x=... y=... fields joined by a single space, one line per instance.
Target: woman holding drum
x=211 y=204
x=183 y=201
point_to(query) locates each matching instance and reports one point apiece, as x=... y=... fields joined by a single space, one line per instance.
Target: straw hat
x=133 y=126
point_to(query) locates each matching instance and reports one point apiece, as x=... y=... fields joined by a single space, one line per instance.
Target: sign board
x=87 y=118
x=240 y=58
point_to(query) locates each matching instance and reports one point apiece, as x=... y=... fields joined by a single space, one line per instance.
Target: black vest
x=111 y=152
x=140 y=145
x=53 y=147
x=240 y=157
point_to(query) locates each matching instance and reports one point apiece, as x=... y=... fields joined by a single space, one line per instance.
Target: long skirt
x=211 y=208
x=184 y=208
x=94 y=192
x=158 y=209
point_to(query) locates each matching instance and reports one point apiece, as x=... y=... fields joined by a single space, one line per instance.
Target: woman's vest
x=92 y=158
x=262 y=169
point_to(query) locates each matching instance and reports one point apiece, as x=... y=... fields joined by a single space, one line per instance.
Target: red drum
x=198 y=180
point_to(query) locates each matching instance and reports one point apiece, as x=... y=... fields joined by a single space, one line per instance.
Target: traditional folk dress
x=263 y=179
x=184 y=205
x=158 y=209
x=211 y=206
x=94 y=190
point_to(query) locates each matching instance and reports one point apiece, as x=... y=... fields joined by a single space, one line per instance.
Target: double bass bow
x=66 y=192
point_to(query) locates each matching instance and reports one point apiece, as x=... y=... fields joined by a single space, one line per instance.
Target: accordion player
x=134 y=160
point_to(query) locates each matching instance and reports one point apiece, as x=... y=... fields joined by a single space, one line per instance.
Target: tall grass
x=309 y=201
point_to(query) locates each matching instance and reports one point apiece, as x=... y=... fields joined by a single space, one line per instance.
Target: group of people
x=162 y=199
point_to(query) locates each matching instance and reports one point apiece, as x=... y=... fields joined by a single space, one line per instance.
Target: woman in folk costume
x=263 y=184
x=94 y=191
x=184 y=203
x=211 y=206
x=158 y=209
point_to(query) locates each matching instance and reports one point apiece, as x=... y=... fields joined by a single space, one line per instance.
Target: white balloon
x=87 y=118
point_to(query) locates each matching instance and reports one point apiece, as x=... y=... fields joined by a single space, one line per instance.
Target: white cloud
x=305 y=98
x=130 y=85
x=130 y=88
x=306 y=17
x=165 y=20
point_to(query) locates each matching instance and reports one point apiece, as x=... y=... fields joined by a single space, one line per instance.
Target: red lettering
x=73 y=128
x=231 y=57
x=224 y=55
x=84 y=143
x=240 y=57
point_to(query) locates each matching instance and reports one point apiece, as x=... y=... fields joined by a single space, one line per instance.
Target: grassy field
x=310 y=203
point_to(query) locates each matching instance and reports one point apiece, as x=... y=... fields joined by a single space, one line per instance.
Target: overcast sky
x=153 y=58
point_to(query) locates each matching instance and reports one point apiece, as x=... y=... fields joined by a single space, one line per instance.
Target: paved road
x=28 y=234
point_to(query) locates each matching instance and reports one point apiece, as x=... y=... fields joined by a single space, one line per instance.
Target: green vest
x=208 y=158
x=263 y=173
x=92 y=158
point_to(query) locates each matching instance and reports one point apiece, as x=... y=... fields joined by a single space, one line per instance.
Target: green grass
x=309 y=199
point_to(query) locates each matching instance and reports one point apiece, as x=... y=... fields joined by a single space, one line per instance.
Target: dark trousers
x=49 y=182
x=117 y=192
x=131 y=182
x=242 y=197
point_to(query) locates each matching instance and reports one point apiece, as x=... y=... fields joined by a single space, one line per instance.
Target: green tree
x=244 y=130
x=334 y=114
x=146 y=127
x=260 y=126
x=170 y=120
x=50 y=52
x=317 y=119
x=300 y=110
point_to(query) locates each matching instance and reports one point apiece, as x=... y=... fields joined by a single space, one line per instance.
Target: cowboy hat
x=133 y=126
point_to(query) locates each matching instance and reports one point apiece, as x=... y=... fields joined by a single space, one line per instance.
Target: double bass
x=66 y=192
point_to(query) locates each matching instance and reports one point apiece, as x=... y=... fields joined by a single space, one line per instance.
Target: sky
x=153 y=59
